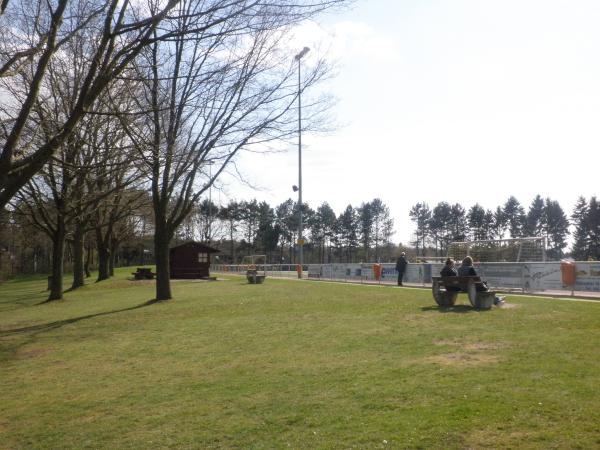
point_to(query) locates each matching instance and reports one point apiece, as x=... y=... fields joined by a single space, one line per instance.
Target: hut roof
x=199 y=245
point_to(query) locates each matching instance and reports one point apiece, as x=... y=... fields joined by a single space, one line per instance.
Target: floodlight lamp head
x=300 y=55
x=295 y=188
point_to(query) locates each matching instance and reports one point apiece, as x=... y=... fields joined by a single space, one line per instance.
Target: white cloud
x=506 y=90
x=346 y=40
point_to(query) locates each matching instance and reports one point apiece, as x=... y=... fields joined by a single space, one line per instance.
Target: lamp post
x=298 y=57
x=209 y=227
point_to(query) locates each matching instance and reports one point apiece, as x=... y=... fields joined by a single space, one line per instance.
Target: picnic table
x=445 y=291
x=143 y=273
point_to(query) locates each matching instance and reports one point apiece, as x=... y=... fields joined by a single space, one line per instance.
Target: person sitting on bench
x=449 y=271
x=467 y=270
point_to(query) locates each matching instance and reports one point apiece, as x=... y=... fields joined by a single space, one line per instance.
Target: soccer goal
x=528 y=249
x=253 y=261
x=431 y=259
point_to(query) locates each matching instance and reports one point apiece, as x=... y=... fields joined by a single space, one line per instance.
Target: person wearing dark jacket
x=467 y=270
x=401 y=264
x=449 y=271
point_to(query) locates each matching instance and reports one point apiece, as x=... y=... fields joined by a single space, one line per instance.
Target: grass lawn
x=292 y=364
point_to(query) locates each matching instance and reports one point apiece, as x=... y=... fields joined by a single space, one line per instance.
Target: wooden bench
x=253 y=277
x=143 y=273
x=446 y=289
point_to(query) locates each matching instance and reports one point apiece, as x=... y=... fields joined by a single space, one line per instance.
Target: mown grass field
x=293 y=364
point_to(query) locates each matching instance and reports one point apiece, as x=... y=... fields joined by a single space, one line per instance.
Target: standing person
x=401 y=264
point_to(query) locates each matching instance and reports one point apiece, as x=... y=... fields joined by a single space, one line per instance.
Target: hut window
x=202 y=257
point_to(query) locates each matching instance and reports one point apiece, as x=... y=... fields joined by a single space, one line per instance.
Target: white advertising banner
x=588 y=276
x=534 y=276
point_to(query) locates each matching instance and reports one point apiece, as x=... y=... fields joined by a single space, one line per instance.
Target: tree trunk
x=103 y=256
x=78 y=250
x=161 y=253
x=114 y=245
x=103 y=260
x=88 y=260
x=232 y=244
x=111 y=264
x=58 y=250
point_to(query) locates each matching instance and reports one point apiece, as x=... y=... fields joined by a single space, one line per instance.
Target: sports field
x=293 y=364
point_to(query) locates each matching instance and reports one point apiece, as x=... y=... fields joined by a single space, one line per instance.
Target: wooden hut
x=190 y=260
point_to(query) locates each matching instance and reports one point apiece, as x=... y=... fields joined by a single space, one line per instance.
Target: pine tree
x=514 y=214
x=556 y=226
x=366 y=219
x=476 y=221
x=231 y=214
x=380 y=214
x=458 y=223
x=500 y=224
x=267 y=233
x=348 y=232
x=534 y=217
x=420 y=214
x=593 y=224
x=440 y=226
x=579 y=219
x=489 y=225
x=322 y=229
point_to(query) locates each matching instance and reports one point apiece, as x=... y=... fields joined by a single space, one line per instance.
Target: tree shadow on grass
x=456 y=309
x=20 y=299
x=40 y=328
x=25 y=279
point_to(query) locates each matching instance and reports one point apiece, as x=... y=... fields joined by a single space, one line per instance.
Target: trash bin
x=377 y=271
x=567 y=270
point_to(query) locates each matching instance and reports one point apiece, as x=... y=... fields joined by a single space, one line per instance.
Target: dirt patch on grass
x=31 y=353
x=484 y=346
x=471 y=346
x=410 y=317
x=467 y=353
x=463 y=359
x=498 y=438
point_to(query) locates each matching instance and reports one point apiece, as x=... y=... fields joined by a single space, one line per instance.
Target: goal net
x=251 y=262
x=528 y=249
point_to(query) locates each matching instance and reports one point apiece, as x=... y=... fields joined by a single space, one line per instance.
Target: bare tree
x=33 y=34
x=90 y=165
x=45 y=201
x=230 y=88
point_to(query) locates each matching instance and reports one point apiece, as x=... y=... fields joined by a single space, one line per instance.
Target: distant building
x=190 y=260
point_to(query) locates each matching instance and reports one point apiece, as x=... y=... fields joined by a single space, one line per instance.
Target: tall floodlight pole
x=298 y=57
x=210 y=163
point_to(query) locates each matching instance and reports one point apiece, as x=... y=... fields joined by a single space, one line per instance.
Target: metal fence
x=525 y=277
x=272 y=270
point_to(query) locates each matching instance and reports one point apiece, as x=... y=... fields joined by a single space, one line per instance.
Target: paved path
x=549 y=293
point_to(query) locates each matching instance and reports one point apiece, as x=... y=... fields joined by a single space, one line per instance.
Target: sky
x=464 y=101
